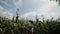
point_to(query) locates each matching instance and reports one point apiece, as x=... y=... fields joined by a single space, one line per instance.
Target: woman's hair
x=31 y=21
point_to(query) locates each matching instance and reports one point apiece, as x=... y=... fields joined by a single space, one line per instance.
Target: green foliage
x=8 y=26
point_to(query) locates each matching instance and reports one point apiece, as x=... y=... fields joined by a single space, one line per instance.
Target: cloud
x=30 y=14
x=5 y=13
x=4 y=1
x=47 y=9
x=11 y=4
x=17 y=3
x=42 y=8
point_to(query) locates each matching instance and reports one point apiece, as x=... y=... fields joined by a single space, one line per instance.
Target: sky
x=30 y=9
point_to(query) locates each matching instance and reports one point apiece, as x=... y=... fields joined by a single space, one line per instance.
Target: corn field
x=16 y=26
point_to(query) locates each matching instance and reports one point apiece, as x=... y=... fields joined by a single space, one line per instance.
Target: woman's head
x=30 y=21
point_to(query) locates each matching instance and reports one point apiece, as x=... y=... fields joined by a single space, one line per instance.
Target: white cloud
x=17 y=3
x=29 y=14
x=12 y=4
x=8 y=5
x=4 y=1
x=47 y=10
x=5 y=13
x=44 y=7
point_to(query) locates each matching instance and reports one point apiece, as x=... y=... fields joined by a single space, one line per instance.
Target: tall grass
x=8 y=26
x=16 y=26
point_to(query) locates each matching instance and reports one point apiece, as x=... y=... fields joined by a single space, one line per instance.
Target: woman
x=30 y=26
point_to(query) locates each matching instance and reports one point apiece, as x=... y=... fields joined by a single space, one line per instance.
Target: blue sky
x=31 y=8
